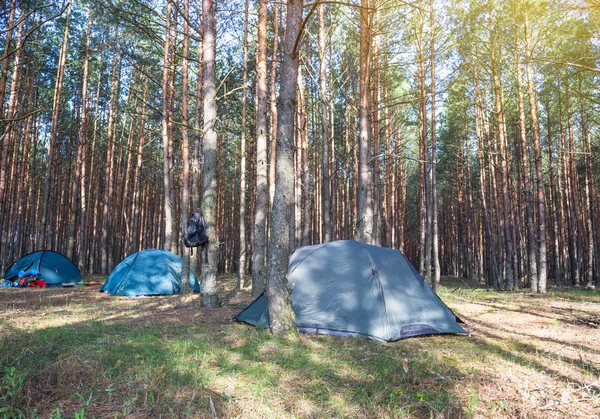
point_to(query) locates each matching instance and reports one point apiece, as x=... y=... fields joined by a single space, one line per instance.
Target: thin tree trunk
x=532 y=277
x=7 y=42
x=364 y=230
x=434 y=206
x=273 y=103
x=110 y=149
x=499 y=110
x=305 y=240
x=541 y=199
x=325 y=191
x=242 y=187
x=260 y=216
x=168 y=204
x=553 y=199
x=8 y=137
x=185 y=146
x=53 y=131
x=79 y=169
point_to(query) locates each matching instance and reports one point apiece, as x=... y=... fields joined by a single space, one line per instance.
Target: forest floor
x=78 y=353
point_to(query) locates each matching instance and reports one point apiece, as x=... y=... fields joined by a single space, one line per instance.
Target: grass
x=75 y=354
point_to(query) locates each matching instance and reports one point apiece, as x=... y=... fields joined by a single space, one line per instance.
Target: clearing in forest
x=80 y=353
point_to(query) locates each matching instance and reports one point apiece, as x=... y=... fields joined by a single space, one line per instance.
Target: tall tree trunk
x=185 y=146
x=110 y=150
x=541 y=199
x=280 y=308
x=208 y=289
x=168 y=204
x=260 y=217
x=589 y=201
x=532 y=277
x=499 y=110
x=364 y=229
x=62 y=60
x=79 y=168
x=434 y=204
x=273 y=103
x=325 y=191
x=424 y=266
x=305 y=240
x=7 y=42
x=8 y=138
x=553 y=198
x=242 y=208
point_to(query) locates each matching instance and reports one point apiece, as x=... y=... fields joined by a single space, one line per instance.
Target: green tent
x=347 y=288
x=149 y=272
x=52 y=267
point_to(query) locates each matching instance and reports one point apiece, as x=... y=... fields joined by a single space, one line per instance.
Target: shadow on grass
x=527 y=348
x=147 y=358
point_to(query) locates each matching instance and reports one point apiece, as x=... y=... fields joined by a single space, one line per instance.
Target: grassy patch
x=78 y=354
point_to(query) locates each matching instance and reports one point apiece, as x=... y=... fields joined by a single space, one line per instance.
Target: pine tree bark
x=62 y=60
x=325 y=191
x=185 y=146
x=166 y=100
x=499 y=110
x=364 y=228
x=7 y=43
x=242 y=186
x=434 y=204
x=8 y=139
x=280 y=308
x=532 y=276
x=208 y=288
x=541 y=198
x=273 y=103
x=110 y=151
x=77 y=201
x=305 y=239
x=262 y=191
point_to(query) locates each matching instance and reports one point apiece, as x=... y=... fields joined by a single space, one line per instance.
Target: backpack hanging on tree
x=195 y=233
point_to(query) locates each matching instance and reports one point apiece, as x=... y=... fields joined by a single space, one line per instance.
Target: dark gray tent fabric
x=148 y=272
x=350 y=288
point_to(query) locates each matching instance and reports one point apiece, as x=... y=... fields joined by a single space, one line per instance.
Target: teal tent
x=347 y=288
x=149 y=272
x=52 y=267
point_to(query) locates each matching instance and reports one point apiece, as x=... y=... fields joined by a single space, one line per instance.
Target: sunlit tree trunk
x=325 y=191
x=168 y=204
x=273 y=103
x=79 y=167
x=9 y=137
x=62 y=60
x=532 y=278
x=7 y=43
x=242 y=187
x=208 y=288
x=185 y=146
x=541 y=199
x=260 y=233
x=110 y=151
x=282 y=316
x=364 y=221
x=434 y=204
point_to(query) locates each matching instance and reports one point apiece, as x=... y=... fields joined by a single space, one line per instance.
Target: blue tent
x=52 y=267
x=149 y=272
x=347 y=288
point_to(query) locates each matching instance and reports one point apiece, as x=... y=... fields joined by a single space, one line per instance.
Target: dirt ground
x=544 y=351
x=526 y=356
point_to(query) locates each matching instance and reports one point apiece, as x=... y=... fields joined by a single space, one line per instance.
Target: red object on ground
x=38 y=283
x=94 y=283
